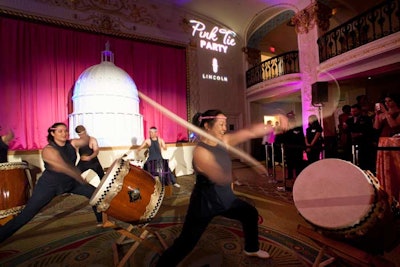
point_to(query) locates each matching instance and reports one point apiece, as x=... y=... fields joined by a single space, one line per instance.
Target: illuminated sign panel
x=217 y=40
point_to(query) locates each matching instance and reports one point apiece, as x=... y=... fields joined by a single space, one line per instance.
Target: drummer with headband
x=212 y=194
x=60 y=176
x=155 y=161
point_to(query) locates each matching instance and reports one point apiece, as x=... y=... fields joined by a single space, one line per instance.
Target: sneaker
x=237 y=183
x=260 y=254
x=177 y=185
x=281 y=188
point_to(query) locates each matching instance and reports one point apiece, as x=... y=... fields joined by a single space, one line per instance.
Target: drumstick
x=250 y=160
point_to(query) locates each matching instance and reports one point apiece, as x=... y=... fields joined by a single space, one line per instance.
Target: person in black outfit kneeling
x=60 y=176
x=212 y=194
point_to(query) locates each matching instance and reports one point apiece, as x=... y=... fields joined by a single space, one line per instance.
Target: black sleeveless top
x=85 y=151
x=212 y=198
x=67 y=152
x=154 y=150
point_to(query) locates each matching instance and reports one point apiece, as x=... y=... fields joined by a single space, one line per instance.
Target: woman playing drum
x=60 y=176
x=212 y=195
x=155 y=163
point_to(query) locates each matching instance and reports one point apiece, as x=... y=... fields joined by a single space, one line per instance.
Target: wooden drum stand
x=133 y=233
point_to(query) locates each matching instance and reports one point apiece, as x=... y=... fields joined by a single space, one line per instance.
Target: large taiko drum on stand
x=15 y=187
x=342 y=201
x=128 y=193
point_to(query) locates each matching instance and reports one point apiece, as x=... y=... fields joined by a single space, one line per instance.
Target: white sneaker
x=260 y=254
x=281 y=189
x=237 y=183
x=177 y=185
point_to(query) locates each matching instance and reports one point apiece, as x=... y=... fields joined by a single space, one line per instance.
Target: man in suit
x=361 y=132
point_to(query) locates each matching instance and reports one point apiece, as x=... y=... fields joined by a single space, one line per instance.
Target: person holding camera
x=387 y=116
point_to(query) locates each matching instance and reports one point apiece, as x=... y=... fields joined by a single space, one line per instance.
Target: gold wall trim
x=75 y=26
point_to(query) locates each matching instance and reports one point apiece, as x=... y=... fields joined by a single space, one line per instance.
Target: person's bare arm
x=379 y=117
x=245 y=134
x=56 y=163
x=146 y=143
x=162 y=144
x=391 y=121
x=8 y=137
x=78 y=142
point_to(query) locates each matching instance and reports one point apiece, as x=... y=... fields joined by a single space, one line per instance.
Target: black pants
x=313 y=155
x=45 y=190
x=93 y=164
x=194 y=226
x=294 y=162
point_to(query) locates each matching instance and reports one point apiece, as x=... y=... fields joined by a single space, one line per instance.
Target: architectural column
x=309 y=61
x=307 y=22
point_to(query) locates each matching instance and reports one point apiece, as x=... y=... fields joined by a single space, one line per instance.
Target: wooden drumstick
x=250 y=160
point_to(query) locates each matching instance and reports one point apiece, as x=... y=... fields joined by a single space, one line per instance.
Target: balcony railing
x=274 y=67
x=375 y=23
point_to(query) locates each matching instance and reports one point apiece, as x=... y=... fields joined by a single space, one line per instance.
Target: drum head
x=106 y=182
x=91 y=177
x=333 y=194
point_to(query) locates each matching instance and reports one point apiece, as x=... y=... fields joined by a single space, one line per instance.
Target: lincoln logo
x=215 y=65
x=215 y=76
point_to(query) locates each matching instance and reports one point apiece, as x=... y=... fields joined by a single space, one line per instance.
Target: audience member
x=88 y=150
x=155 y=163
x=313 y=139
x=362 y=138
x=367 y=108
x=60 y=176
x=294 y=145
x=212 y=194
x=268 y=141
x=387 y=116
x=4 y=145
x=278 y=141
x=344 y=143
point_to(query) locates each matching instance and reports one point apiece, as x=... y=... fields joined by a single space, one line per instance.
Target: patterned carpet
x=65 y=233
x=221 y=245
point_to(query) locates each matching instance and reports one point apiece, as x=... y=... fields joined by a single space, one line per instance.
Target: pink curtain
x=40 y=64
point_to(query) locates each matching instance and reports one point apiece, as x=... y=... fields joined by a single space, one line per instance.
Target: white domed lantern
x=106 y=102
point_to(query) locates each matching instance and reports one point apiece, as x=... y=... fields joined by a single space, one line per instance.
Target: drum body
x=160 y=168
x=128 y=193
x=340 y=199
x=15 y=188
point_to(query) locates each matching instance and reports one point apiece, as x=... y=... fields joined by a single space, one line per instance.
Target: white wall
x=179 y=155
